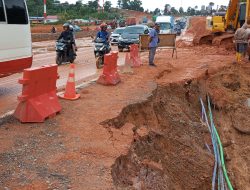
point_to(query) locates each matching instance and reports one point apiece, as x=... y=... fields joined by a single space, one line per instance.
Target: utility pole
x=45 y=11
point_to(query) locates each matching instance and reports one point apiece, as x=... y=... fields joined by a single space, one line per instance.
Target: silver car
x=116 y=35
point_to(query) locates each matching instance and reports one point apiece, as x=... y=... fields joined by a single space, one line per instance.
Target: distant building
x=52 y=18
x=36 y=20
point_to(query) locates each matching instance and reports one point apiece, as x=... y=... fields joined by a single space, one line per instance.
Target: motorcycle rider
x=67 y=35
x=103 y=34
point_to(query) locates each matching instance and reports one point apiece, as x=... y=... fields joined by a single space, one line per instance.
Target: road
x=44 y=54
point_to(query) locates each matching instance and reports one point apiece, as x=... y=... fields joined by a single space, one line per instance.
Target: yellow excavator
x=223 y=25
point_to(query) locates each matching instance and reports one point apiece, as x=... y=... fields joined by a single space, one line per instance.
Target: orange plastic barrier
x=38 y=100
x=70 y=90
x=134 y=56
x=110 y=75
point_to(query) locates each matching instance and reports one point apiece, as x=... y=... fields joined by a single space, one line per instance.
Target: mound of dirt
x=197 y=26
x=139 y=15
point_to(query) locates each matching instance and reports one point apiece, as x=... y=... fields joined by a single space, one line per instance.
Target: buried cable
x=220 y=147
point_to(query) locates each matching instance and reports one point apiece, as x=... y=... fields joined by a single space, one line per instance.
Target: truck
x=166 y=24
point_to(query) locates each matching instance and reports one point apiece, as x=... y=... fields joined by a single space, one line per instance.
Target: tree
x=173 y=11
x=107 y=6
x=157 y=11
x=167 y=9
x=132 y=5
x=181 y=10
x=93 y=4
x=190 y=11
x=136 y=5
x=211 y=4
x=119 y=3
x=125 y=4
x=79 y=3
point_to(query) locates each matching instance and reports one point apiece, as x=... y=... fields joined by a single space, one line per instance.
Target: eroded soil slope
x=171 y=149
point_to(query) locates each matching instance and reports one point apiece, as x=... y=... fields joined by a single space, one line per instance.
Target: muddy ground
x=144 y=133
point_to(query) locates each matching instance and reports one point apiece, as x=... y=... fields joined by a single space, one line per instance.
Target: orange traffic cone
x=70 y=91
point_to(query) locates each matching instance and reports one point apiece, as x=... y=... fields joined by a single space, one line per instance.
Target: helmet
x=103 y=26
x=66 y=25
x=71 y=27
x=157 y=24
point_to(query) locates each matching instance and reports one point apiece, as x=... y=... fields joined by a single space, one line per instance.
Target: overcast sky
x=152 y=4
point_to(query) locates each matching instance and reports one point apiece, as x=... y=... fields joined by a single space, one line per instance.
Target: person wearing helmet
x=103 y=34
x=153 y=43
x=67 y=35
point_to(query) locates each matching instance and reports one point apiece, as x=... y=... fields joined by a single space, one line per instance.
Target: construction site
x=182 y=125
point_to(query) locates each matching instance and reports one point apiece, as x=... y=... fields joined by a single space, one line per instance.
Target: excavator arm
x=232 y=15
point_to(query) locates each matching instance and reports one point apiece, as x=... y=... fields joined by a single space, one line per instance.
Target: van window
x=165 y=26
x=2 y=16
x=16 y=12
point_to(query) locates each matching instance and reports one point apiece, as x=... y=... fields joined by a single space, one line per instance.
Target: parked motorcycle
x=101 y=48
x=64 y=52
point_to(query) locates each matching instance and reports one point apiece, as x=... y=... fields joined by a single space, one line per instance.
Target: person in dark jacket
x=68 y=35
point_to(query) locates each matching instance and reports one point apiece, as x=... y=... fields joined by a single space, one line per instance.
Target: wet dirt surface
x=144 y=133
x=44 y=53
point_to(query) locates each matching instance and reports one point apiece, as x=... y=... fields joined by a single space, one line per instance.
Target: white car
x=116 y=35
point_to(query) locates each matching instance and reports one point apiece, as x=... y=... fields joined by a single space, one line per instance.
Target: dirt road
x=44 y=53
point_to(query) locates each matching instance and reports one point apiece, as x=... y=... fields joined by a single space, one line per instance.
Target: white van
x=166 y=24
x=15 y=40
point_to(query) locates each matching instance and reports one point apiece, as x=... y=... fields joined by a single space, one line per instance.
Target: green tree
x=157 y=11
x=173 y=11
x=211 y=4
x=191 y=11
x=136 y=5
x=79 y=3
x=107 y=6
x=125 y=4
x=93 y=4
x=181 y=10
x=119 y=3
x=167 y=9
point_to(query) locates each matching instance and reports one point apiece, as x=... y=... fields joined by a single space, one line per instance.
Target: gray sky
x=152 y=4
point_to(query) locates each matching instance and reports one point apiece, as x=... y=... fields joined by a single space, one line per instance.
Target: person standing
x=153 y=43
x=241 y=40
